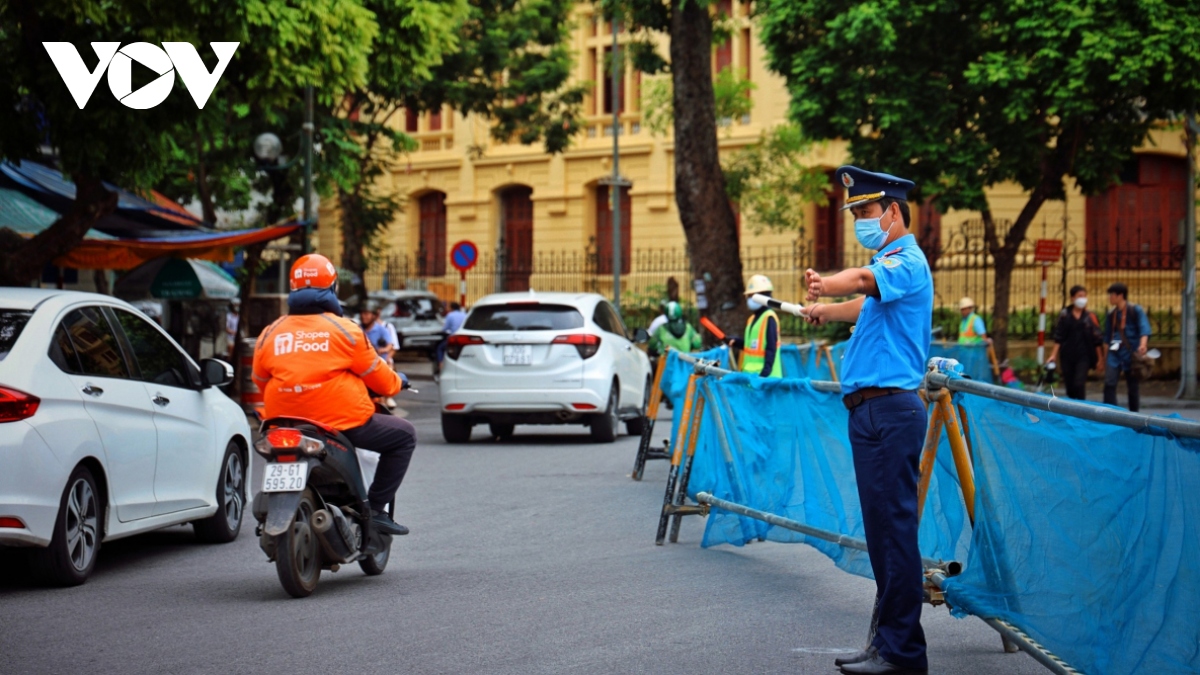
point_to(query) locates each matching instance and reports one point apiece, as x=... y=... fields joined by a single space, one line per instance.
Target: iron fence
x=960 y=264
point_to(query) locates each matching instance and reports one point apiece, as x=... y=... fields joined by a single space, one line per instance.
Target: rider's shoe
x=384 y=523
x=390 y=403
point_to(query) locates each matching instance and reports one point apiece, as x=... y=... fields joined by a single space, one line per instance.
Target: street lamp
x=268 y=149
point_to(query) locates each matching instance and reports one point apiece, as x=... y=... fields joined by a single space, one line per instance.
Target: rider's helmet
x=759 y=284
x=675 y=322
x=313 y=271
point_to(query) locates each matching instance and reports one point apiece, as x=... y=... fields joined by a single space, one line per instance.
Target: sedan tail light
x=586 y=344
x=456 y=342
x=16 y=405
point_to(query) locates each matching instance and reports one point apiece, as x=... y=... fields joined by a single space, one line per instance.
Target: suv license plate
x=518 y=355
x=290 y=477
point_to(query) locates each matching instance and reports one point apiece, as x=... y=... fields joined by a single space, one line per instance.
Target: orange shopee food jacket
x=319 y=366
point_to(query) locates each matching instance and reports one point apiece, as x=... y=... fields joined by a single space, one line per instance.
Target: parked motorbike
x=312 y=510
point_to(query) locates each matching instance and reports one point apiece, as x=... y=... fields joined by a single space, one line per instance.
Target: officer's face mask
x=754 y=306
x=1081 y=302
x=869 y=234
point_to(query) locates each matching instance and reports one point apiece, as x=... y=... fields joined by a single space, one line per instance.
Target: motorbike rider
x=314 y=364
x=675 y=333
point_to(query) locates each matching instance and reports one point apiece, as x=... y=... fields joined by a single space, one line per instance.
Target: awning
x=136 y=216
x=177 y=279
x=123 y=254
x=25 y=216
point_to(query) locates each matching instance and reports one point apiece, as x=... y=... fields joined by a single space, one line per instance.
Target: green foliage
x=962 y=96
x=731 y=95
x=772 y=184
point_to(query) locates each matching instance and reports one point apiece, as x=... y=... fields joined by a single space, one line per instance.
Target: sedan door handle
x=92 y=390
x=160 y=400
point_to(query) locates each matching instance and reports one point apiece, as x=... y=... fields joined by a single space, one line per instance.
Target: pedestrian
x=760 y=346
x=971 y=331
x=881 y=371
x=231 y=327
x=454 y=320
x=382 y=337
x=1077 y=344
x=1127 y=334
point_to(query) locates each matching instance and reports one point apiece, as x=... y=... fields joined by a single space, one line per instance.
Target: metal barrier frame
x=656 y=396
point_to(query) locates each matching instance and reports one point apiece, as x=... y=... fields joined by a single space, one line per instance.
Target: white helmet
x=759 y=284
x=965 y=303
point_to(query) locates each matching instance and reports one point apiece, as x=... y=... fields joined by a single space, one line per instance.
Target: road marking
x=825 y=650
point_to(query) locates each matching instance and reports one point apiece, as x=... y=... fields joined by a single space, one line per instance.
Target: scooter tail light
x=456 y=342
x=586 y=344
x=284 y=438
x=16 y=405
x=288 y=439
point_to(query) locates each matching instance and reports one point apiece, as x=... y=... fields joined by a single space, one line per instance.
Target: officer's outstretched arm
x=846 y=312
x=854 y=281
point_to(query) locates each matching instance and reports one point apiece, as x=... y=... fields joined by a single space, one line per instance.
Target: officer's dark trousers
x=394 y=439
x=887 y=434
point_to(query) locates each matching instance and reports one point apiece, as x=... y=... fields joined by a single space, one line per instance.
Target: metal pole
x=615 y=100
x=706 y=368
x=1087 y=411
x=308 y=169
x=1188 y=360
x=1041 y=350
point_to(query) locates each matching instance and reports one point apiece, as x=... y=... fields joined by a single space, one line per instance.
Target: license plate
x=518 y=355
x=290 y=477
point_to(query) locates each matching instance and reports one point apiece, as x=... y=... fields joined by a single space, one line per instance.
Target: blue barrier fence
x=1086 y=536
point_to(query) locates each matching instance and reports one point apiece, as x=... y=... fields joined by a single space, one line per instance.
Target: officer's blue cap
x=864 y=187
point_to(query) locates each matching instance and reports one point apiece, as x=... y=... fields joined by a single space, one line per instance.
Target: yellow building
x=543 y=221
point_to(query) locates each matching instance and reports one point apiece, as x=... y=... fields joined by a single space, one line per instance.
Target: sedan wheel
x=224 y=525
x=71 y=556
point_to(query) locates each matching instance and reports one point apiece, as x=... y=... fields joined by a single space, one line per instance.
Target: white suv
x=543 y=358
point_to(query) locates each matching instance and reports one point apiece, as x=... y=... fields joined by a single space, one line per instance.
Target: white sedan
x=108 y=429
x=544 y=358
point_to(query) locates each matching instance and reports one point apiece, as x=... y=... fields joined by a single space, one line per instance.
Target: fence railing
x=961 y=266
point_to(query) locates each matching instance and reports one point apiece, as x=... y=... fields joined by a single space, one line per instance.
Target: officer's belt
x=852 y=401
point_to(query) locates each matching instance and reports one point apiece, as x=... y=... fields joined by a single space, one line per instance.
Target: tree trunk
x=252 y=255
x=708 y=219
x=353 y=258
x=23 y=259
x=1004 y=256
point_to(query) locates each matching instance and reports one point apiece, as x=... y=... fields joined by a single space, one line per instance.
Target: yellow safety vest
x=754 y=350
x=966 y=331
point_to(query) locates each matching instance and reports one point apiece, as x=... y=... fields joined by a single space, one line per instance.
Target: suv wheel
x=604 y=426
x=456 y=428
x=637 y=426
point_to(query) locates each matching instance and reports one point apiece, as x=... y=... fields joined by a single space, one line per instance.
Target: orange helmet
x=313 y=271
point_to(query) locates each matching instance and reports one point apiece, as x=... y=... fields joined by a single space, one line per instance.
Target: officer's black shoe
x=857 y=657
x=384 y=523
x=877 y=666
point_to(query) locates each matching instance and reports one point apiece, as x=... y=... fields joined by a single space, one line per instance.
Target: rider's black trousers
x=394 y=439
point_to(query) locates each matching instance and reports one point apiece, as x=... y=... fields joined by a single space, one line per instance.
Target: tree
x=772 y=184
x=284 y=45
x=709 y=223
x=504 y=61
x=963 y=96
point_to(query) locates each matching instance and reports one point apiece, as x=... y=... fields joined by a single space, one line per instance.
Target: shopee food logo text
x=118 y=61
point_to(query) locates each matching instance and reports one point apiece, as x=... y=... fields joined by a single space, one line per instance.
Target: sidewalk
x=1156 y=395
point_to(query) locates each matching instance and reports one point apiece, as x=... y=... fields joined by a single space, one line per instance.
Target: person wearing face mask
x=883 y=366
x=760 y=347
x=1077 y=344
x=675 y=333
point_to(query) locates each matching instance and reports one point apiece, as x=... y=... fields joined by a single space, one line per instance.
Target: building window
x=435 y=120
x=1135 y=225
x=828 y=240
x=431 y=251
x=410 y=120
x=608 y=85
x=516 y=209
x=604 y=232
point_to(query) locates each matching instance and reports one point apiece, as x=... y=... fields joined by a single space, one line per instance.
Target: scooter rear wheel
x=373 y=565
x=298 y=553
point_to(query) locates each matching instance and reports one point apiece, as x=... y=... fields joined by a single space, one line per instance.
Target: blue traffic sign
x=464 y=255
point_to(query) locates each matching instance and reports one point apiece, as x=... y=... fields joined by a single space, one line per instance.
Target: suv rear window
x=12 y=322
x=417 y=308
x=524 y=316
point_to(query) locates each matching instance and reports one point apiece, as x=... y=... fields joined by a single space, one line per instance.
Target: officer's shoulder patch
x=890 y=263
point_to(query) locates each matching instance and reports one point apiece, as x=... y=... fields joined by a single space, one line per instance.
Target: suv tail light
x=456 y=342
x=16 y=405
x=586 y=344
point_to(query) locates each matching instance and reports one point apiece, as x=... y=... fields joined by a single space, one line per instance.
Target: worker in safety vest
x=760 y=347
x=312 y=363
x=971 y=331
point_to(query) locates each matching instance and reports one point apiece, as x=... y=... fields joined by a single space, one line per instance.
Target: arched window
x=604 y=231
x=516 y=209
x=432 y=247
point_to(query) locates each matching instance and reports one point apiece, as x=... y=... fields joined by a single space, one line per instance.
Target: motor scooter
x=312 y=510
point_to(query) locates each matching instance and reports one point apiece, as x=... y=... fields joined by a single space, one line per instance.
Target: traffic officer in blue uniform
x=881 y=370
